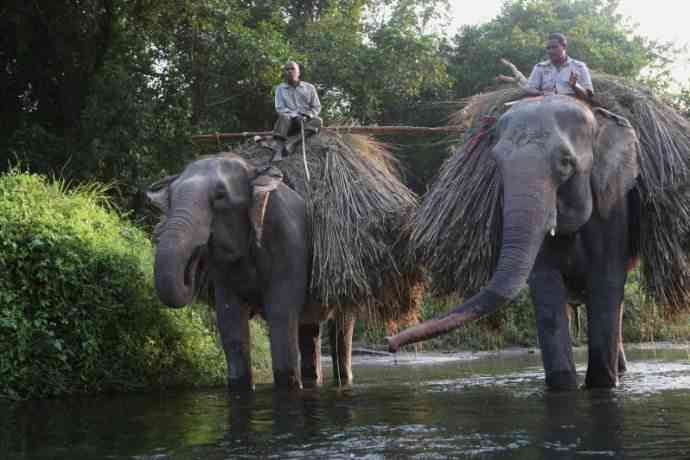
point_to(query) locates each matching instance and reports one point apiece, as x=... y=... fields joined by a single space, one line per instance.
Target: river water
x=414 y=406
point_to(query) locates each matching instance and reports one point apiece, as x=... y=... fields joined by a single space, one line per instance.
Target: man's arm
x=314 y=103
x=582 y=86
x=586 y=80
x=533 y=87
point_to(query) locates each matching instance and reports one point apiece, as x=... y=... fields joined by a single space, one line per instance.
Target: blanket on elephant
x=456 y=232
x=357 y=205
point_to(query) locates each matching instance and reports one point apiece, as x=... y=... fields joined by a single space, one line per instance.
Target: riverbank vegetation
x=111 y=91
x=77 y=309
x=514 y=324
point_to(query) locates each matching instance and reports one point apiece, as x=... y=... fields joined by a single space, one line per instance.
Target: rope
x=304 y=151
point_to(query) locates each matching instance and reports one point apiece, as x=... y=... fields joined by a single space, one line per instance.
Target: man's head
x=556 y=45
x=291 y=69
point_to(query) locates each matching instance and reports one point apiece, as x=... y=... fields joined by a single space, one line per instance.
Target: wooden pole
x=204 y=138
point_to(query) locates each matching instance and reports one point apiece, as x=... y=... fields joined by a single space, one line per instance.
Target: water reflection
x=584 y=423
x=493 y=407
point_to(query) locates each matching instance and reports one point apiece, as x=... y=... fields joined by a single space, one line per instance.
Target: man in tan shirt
x=560 y=74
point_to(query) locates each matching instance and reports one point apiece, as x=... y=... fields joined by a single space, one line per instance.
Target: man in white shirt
x=560 y=74
x=296 y=102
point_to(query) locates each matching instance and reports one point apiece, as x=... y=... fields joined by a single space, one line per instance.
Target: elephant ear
x=616 y=160
x=158 y=193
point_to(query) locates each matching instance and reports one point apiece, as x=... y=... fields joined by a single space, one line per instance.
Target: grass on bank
x=78 y=313
x=514 y=324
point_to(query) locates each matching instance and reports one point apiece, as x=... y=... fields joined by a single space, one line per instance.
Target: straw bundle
x=356 y=207
x=457 y=230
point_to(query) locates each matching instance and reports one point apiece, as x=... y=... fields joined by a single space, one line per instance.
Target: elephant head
x=206 y=213
x=560 y=164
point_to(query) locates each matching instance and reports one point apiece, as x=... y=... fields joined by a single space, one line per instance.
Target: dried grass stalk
x=357 y=205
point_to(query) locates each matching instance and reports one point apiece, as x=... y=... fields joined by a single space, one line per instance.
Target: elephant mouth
x=196 y=269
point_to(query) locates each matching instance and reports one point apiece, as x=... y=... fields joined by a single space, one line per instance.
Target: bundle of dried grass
x=457 y=230
x=357 y=205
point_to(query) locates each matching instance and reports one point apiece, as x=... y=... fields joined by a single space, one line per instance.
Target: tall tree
x=50 y=52
x=596 y=32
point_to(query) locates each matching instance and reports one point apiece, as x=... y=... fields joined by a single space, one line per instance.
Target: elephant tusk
x=552 y=232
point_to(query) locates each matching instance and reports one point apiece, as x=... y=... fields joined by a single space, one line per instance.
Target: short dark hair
x=558 y=37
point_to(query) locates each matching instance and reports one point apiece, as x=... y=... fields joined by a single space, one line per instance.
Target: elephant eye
x=566 y=164
x=218 y=194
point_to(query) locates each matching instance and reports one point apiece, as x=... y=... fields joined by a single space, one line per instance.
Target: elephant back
x=357 y=206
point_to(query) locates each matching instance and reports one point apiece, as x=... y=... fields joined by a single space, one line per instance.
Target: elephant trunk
x=172 y=288
x=180 y=256
x=528 y=213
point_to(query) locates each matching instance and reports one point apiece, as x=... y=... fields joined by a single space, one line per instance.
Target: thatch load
x=457 y=230
x=356 y=206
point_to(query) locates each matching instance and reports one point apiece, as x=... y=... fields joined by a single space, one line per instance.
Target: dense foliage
x=77 y=309
x=117 y=87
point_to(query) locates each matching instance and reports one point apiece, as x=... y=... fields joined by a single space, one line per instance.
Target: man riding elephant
x=560 y=74
x=297 y=103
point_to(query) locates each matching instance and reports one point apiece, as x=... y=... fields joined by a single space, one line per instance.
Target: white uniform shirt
x=548 y=78
x=294 y=100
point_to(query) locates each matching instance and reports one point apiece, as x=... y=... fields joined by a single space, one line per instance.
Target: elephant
x=570 y=230
x=208 y=232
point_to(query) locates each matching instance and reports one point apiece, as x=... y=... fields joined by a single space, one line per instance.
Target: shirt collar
x=565 y=63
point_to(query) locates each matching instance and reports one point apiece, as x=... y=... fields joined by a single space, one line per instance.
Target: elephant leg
x=283 y=324
x=608 y=247
x=341 y=329
x=233 y=325
x=310 y=353
x=549 y=295
x=604 y=346
x=622 y=361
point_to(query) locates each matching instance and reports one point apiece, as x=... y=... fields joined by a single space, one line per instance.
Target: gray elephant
x=570 y=228
x=209 y=230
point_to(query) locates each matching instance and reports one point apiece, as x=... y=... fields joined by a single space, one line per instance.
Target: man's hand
x=580 y=92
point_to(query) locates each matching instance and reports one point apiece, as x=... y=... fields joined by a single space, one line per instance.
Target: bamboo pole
x=217 y=137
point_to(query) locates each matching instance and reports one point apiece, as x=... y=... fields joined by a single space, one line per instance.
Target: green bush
x=77 y=310
x=512 y=325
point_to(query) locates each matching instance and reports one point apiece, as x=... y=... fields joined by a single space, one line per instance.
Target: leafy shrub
x=77 y=310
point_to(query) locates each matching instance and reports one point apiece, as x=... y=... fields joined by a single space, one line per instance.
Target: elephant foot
x=622 y=362
x=342 y=377
x=622 y=366
x=601 y=379
x=241 y=385
x=288 y=380
x=311 y=377
x=561 y=381
x=310 y=351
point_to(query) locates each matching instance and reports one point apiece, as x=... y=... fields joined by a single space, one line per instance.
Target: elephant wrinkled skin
x=568 y=172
